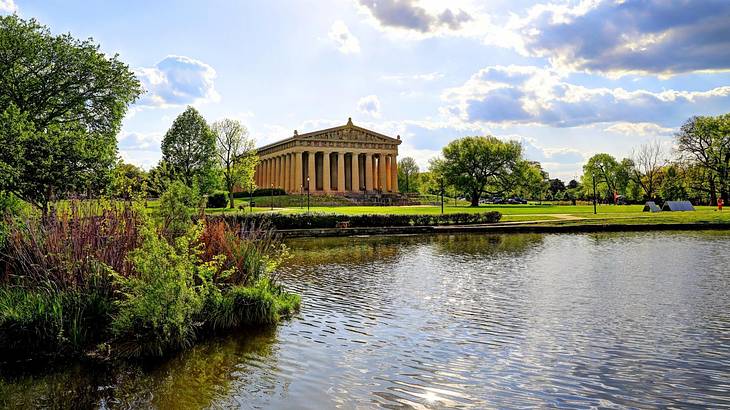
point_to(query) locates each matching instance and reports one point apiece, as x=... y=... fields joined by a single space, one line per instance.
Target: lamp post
x=442 y=196
x=250 y=198
x=593 y=179
x=307 y=194
x=271 y=192
x=301 y=196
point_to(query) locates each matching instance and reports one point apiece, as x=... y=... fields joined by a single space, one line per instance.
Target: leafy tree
x=606 y=171
x=61 y=106
x=479 y=165
x=407 y=174
x=177 y=207
x=189 y=147
x=237 y=155
x=672 y=188
x=705 y=141
x=159 y=178
x=556 y=185
x=127 y=180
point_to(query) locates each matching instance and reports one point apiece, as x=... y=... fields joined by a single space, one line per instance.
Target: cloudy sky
x=567 y=78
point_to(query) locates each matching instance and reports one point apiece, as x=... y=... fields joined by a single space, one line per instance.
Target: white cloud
x=8 y=7
x=403 y=78
x=628 y=36
x=177 y=80
x=642 y=129
x=345 y=41
x=530 y=95
x=141 y=149
x=369 y=105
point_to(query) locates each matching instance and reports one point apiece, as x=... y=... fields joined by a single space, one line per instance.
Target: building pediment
x=344 y=135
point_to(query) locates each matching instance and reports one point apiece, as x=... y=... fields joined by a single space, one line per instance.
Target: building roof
x=321 y=134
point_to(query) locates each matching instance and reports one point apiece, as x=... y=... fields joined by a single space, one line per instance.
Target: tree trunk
x=713 y=191
x=475 y=199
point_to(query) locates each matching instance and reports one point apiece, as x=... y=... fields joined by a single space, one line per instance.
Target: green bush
x=156 y=313
x=323 y=220
x=177 y=207
x=217 y=199
x=261 y=192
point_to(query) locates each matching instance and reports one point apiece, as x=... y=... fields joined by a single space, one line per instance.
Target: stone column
x=381 y=173
x=312 y=172
x=285 y=172
x=282 y=168
x=340 y=172
x=368 y=171
x=394 y=172
x=355 y=173
x=326 y=172
x=266 y=173
x=387 y=173
x=298 y=171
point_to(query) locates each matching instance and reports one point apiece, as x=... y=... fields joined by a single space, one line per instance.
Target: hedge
x=323 y=220
x=217 y=199
x=260 y=192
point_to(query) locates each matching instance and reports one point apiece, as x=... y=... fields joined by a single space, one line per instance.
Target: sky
x=568 y=79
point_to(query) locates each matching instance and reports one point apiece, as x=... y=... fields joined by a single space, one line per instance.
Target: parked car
x=516 y=201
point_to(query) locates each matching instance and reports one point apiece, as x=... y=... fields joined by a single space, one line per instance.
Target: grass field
x=547 y=213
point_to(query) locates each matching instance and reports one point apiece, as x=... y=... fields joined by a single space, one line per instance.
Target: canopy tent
x=651 y=206
x=678 y=206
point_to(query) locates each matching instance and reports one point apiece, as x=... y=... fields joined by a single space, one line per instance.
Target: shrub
x=217 y=199
x=177 y=207
x=261 y=192
x=156 y=312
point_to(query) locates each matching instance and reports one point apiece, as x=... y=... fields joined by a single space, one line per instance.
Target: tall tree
x=648 y=161
x=480 y=165
x=237 y=155
x=706 y=142
x=189 y=147
x=606 y=171
x=408 y=172
x=61 y=106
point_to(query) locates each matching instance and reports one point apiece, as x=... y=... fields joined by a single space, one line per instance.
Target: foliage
x=236 y=153
x=177 y=207
x=408 y=175
x=127 y=181
x=322 y=220
x=159 y=179
x=479 y=165
x=605 y=170
x=672 y=185
x=705 y=142
x=158 y=306
x=217 y=199
x=189 y=147
x=263 y=302
x=61 y=105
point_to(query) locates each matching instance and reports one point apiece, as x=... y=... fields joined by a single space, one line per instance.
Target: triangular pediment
x=348 y=133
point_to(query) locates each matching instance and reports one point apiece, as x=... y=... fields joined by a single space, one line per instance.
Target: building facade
x=345 y=159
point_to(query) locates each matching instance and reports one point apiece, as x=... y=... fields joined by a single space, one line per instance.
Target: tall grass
x=89 y=278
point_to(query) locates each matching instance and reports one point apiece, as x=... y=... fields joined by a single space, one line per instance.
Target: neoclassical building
x=345 y=159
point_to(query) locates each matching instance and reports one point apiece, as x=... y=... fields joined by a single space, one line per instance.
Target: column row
x=319 y=171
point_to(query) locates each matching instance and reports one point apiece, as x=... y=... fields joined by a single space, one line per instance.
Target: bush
x=322 y=220
x=217 y=199
x=177 y=207
x=261 y=192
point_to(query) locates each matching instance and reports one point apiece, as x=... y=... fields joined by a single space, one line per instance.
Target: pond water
x=477 y=321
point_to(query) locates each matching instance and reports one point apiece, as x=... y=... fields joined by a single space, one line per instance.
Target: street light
x=307 y=194
x=593 y=183
x=301 y=196
x=442 y=196
x=271 y=192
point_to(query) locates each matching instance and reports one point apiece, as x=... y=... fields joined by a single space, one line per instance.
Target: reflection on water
x=637 y=320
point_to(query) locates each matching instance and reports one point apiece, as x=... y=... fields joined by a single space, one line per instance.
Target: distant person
x=720 y=203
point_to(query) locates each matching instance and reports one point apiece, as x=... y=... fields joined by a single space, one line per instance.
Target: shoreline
x=506 y=227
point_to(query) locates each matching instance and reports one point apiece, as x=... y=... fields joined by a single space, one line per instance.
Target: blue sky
x=566 y=78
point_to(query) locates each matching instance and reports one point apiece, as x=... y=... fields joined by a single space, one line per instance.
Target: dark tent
x=651 y=207
x=678 y=206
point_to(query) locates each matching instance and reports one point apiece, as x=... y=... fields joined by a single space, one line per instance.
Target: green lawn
x=552 y=214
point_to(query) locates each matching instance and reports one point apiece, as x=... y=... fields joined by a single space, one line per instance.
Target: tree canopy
x=407 y=174
x=189 y=147
x=236 y=154
x=480 y=165
x=61 y=106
